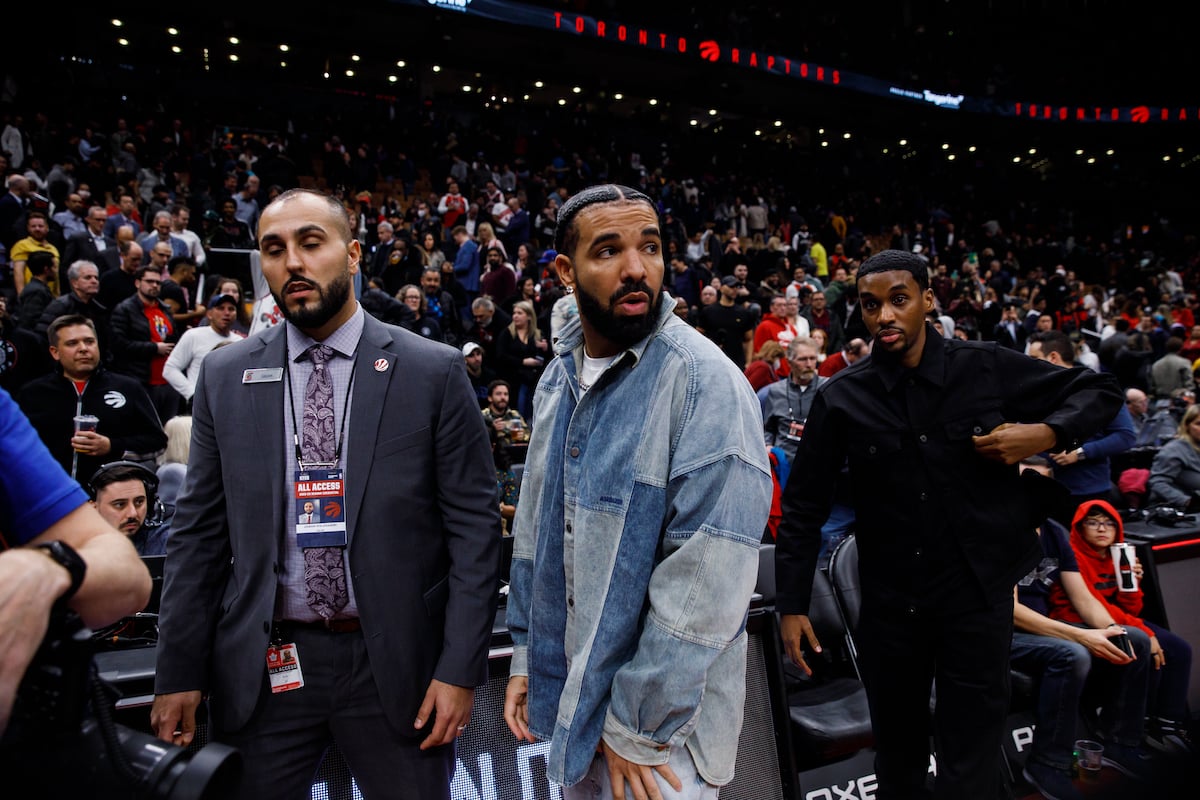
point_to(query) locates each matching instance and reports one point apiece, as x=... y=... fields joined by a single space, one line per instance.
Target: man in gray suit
x=371 y=633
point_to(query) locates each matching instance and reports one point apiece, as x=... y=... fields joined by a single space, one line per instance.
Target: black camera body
x=61 y=738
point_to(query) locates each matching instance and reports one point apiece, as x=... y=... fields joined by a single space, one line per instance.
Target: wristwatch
x=1079 y=454
x=66 y=557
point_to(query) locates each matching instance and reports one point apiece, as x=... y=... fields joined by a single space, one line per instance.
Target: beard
x=622 y=331
x=330 y=300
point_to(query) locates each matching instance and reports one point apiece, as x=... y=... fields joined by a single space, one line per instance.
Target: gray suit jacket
x=422 y=516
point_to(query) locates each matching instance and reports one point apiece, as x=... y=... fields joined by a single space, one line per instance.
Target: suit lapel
x=266 y=406
x=373 y=371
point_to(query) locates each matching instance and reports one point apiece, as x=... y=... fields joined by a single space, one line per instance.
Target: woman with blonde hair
x=521 y=353
x=172 y=465
x=1175 y=472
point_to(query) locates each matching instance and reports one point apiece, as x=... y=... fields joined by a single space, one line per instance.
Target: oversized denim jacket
x=642 y=507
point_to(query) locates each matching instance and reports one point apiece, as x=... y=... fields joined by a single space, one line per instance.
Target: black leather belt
x=347 y=625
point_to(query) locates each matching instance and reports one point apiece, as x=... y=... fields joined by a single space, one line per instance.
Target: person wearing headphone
x=124 y=492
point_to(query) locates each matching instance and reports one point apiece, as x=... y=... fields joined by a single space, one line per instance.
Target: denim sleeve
x=699 y=594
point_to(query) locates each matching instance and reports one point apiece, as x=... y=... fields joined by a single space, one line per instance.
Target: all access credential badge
x=283 y=668
x=320 y=504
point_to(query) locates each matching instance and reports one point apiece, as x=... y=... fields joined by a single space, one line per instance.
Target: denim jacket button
x=574 y=452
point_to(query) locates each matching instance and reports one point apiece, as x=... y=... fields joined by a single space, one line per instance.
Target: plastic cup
x=86 y=422
x=1088 y=755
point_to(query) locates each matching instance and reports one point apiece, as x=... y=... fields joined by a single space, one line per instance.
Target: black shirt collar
x=932 y=367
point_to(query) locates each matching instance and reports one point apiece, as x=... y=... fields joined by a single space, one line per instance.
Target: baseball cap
x=547 y=256
x=730 y=280
x=217 y=299
x=471 y=347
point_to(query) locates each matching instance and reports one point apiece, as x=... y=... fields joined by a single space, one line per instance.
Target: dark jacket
x=132 y=348
x=35 y=297
x=126 y=417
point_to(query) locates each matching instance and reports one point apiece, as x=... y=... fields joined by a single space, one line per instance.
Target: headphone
x=141 y=472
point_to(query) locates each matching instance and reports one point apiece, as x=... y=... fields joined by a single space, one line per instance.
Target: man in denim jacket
x=645 y=496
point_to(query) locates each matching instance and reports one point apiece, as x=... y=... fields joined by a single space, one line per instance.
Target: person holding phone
x=1095 y=529
x=1093 y=651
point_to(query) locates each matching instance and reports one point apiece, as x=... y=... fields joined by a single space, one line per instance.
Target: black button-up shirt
x=936 y=522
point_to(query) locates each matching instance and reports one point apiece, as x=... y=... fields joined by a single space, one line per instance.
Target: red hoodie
x=1098 y=573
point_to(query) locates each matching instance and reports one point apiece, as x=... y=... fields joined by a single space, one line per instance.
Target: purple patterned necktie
x=324 y=572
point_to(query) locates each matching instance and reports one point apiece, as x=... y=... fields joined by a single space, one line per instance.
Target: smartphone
x=1122 y=643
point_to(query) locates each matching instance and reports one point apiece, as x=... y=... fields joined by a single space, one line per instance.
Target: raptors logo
x=114 y=399
x=710 y=50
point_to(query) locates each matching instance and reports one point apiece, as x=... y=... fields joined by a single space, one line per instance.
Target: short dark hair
x=498 y=382
x=121 y=471
x=66 y=321
x=897 y=261
x=142 y=270
x=39 y=261
x=1055 y=341
x=566 y=232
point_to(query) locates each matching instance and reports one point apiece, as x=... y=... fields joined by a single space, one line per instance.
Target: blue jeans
x=1067 y=671
x=837 y=527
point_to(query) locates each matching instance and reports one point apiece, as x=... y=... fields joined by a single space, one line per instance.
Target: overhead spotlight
x=355 y=57
x=758 y=133
x=176 y=49
x=778 y=123
x=538 y=84
x=950 y=157
x=233 y=56
x=712 y=112
x=123 y=42
x=283 y=48
x=436 y=68
x=117 y=23
x=1016 y=159
x=1079 y=152
x=1167 y=157
x=325 y=75
x=283 y=63
x=1092 y=160
x=903 y=142
x=173 y=31
x=693 y=122
x=401 y=64
x=466 y=87
x=618 y=96
x=526 y=97
x=1110 y=151
x=971 y=149
x=945 y=145
x=392 y=79
x=234 y=40
x=576 y=89
x=349 y=73
x=1033 y=151
x=823 y=144
x=886 y=151
x=846 y=135
x=562 y=101
x=653 y=101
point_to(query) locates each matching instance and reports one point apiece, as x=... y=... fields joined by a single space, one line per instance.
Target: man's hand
x=1157 y=656
x=640 y=777
x=516 y=708
x=91 y=443
x=1009 y=442
x=451 y=707
x=1098 y=644
x=29 y=584
x=1065 y=459
x=165 y=348
x=791 y=628
x=173 y=717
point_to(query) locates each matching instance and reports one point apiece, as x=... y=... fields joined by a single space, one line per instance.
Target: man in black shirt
x=932 y=431
x=728 y=323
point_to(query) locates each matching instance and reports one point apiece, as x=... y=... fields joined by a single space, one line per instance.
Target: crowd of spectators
x=109 y=228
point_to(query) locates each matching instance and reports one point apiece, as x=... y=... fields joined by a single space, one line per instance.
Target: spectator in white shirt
x=183 y=365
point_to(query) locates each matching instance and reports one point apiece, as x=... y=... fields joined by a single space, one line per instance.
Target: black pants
x=288 y=734
x=963 y=649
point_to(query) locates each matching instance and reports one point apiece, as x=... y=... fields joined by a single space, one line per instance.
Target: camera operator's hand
x=29 y=585
x=173 y=717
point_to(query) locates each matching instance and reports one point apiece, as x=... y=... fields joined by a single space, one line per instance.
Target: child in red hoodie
x=1094 y=529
